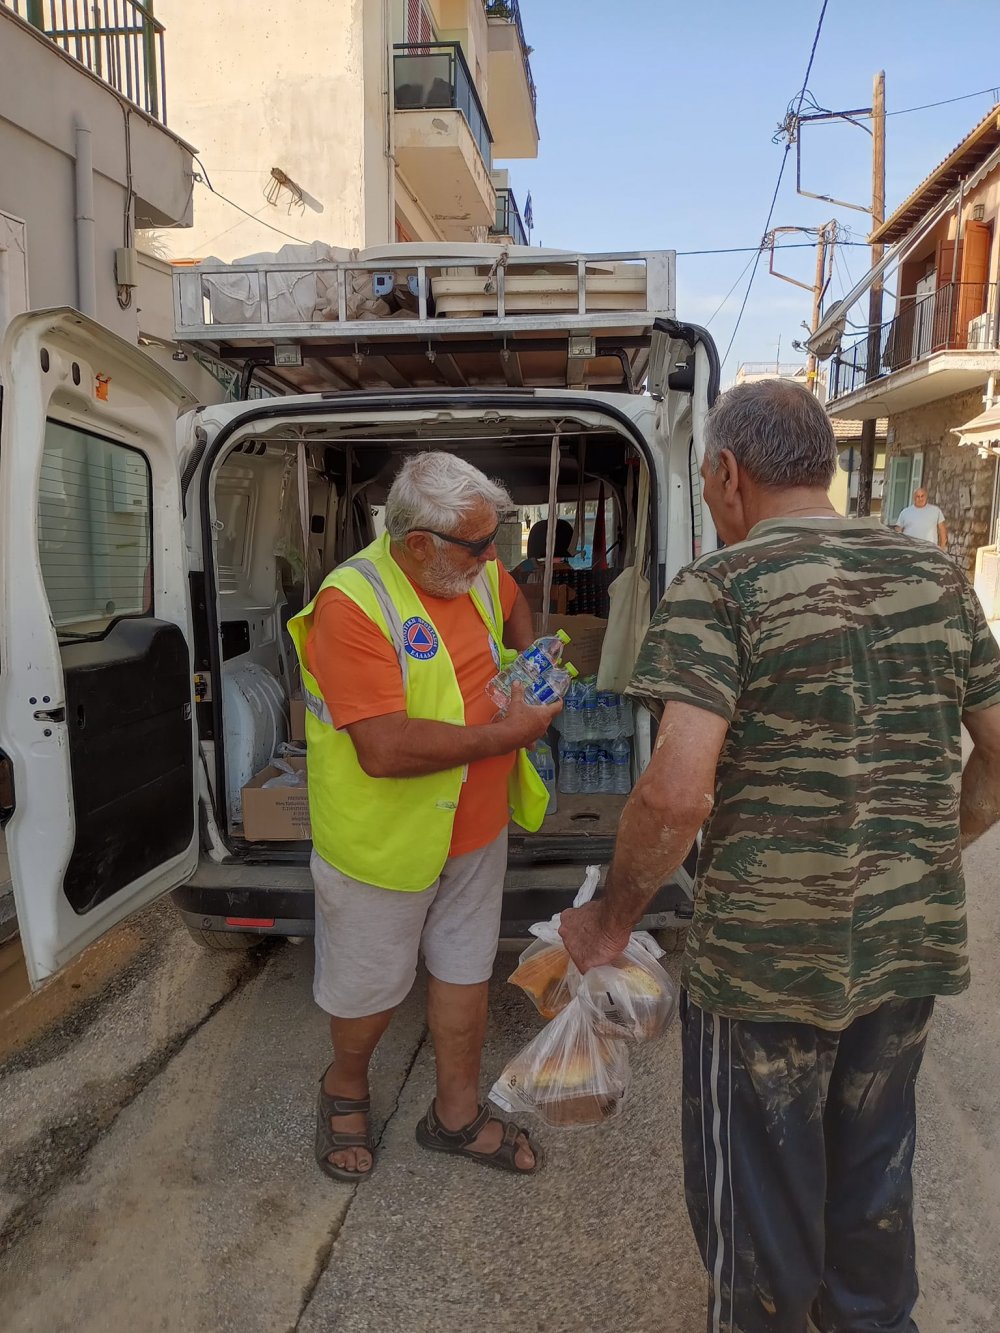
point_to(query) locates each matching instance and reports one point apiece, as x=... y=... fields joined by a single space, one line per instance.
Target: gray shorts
x=368 y=939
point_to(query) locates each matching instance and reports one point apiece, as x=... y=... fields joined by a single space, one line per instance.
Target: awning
x=983 y=431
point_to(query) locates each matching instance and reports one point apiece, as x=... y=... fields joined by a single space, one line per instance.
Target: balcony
x=443 y=143
x=118 y=40
x=508 y=220
x=935 y=346
x=513 y=96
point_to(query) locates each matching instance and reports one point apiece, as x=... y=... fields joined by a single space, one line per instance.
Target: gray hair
x=778 y=431
x=437 y=490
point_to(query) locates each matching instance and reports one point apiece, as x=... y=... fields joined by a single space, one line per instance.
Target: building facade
x=359 y=123
x=932 y=365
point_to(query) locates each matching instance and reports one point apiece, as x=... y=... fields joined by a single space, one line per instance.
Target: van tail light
x=260 y=922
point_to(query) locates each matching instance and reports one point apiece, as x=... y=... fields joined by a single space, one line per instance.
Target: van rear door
x=97 y=748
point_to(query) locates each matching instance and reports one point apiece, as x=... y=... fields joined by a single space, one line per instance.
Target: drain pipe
x=85 y=228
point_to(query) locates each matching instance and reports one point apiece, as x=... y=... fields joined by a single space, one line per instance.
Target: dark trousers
x=798 y=1145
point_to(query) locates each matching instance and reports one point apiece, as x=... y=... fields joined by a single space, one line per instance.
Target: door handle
x=7 y=801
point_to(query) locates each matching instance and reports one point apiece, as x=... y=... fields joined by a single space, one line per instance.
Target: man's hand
x=590 y=939
x=526 y=723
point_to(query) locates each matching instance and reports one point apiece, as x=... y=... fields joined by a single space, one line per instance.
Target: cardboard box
x=586 y=638
x=297 y=720
x=279 y=814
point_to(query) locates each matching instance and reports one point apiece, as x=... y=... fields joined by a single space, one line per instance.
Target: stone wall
x=952 y=473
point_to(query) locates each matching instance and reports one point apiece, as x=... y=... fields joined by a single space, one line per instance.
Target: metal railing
x=434 y=75
x=511 y=10
x=508 y=222
x=960 y=316
x=118 y=40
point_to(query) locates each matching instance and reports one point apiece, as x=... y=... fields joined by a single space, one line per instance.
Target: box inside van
x=148 y=679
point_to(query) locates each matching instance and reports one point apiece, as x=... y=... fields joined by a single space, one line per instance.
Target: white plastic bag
x=576 y=1070
x=571 y=1073
x=635 y=995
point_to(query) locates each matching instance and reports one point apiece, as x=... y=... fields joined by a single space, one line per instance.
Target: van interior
x=270 y=552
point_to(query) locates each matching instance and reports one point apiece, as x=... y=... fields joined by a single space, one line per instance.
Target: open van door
x=97 y=747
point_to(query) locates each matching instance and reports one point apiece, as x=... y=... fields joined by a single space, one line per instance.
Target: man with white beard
x=411 y=784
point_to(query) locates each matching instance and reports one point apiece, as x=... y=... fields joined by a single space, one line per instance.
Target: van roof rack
x=429 y=316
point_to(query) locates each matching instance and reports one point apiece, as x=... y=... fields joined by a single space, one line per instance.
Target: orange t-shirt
x=358 y=673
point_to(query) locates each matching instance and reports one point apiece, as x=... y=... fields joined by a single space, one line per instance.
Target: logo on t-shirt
x=420 y=639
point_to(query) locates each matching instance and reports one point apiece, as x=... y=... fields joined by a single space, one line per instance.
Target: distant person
x=532 y=568
x=923 y=521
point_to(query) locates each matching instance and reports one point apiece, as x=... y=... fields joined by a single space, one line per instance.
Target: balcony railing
x=511 y=10
x=434 y=75
x=960 y=316
x=118 y=40
x=508 y=221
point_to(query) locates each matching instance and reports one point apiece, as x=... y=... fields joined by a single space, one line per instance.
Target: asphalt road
x=156 y=1168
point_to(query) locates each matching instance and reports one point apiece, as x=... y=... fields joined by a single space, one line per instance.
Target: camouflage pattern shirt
x=843 y=656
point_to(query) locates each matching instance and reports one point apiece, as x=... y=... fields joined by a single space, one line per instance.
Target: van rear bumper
x=224 y=897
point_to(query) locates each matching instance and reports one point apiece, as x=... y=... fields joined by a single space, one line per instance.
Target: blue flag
x=529 y=217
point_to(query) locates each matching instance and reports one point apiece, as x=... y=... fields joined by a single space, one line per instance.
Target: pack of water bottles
x=595 y=748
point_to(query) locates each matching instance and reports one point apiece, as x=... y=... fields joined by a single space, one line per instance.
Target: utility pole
x=826 y=239
x=818 y=289
x=866 y=467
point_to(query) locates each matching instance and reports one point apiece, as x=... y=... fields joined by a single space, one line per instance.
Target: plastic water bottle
x=607 y=720
x=569 y=768
x=621 y=767
x=588 y=710
x=529 y=666
x=551 y=687
x=570 y=715
x=590 y=770
x=605 y=771
x=626 y=720
x=545 y=766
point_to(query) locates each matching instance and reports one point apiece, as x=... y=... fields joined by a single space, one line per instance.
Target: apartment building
x=86 y=158
x=350 y=122
x=932 y=365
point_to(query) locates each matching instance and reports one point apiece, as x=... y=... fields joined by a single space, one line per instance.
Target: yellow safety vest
x=396 y=832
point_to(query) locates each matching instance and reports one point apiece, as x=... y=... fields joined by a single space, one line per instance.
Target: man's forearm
x=420 y=746
x=980 y=804
x=651 y=844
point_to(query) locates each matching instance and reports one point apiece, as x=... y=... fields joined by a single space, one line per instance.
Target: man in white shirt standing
x=923 y=521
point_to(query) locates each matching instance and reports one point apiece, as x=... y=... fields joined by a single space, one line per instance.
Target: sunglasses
x=474 y=548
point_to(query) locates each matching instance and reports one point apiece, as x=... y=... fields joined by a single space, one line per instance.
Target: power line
x=777 y=187
x=754 y=249
x=905 y=111
x=729 y=293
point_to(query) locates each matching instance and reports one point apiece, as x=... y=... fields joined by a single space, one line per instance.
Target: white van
x=153 y=550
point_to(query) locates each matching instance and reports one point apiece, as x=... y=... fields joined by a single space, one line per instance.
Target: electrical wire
x=777 y=187
x=729 y=293
x=203 y=178
x=753 y=249
x=905 y=111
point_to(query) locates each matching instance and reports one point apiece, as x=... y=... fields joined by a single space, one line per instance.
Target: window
x=94 y=532
x=905 y=473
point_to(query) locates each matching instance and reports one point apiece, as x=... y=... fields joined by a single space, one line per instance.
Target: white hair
x=438 y=490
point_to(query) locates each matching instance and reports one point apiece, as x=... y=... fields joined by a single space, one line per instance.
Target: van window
x=94 y=531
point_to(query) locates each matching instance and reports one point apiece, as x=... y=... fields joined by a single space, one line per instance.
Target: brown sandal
x=330 y=1140
x=432 y=1134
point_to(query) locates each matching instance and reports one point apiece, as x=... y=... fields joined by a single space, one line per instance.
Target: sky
x=656 y=121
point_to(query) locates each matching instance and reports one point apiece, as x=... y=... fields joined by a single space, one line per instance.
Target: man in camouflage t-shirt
x=810 y=680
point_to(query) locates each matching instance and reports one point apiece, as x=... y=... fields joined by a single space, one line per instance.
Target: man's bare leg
x=354 y=1041
x=456 y=1016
